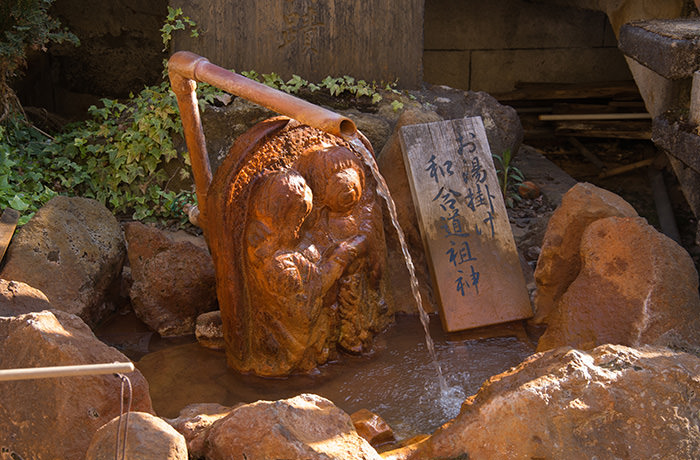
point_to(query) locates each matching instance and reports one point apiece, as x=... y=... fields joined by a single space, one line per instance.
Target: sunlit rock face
x=611 y=402
x=296 y=232
x=57 y=417
x=636 y=286
x=72 y=250
x=306 y=427
x=148 y=437
x=559 y=261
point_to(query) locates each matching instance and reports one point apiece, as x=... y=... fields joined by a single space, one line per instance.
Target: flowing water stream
x=449 y=396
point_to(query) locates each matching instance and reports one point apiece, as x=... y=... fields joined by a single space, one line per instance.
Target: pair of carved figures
x=307 y=242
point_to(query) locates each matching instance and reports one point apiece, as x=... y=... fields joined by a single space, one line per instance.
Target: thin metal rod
x=28 y=373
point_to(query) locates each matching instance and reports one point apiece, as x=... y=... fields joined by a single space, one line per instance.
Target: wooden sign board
x=462 y=217
x=8 y=223
x=378 y=40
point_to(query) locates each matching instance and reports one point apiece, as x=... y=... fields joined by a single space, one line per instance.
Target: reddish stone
x=194 y=423
x=17 y=298
x=173 y=281
x=529 y=190
x=56 y=417
x=72 y=250
x=148 y=437
x=614 y=402
x=372 y=427
x=636 y=286
x=307 y=427
x=559 y=263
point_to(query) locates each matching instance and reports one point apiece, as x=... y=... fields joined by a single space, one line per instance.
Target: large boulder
x=173 y=281
x=194 y=423
x=391 y=165
x=57 y=417
x=306 y=427
x=17 y=298
x=614 y=402
x=501 y=122
x=72 y=250
x=559 y=262
x=636 y=286
x=147 y=437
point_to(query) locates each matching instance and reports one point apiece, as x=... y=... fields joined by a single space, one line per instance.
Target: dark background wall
x=467 y=44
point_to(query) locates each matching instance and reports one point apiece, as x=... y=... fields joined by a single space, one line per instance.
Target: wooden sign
x=378 y=40
x=8 y=223
x=463 y=221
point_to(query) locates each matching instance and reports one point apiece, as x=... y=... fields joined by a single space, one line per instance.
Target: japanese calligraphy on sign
x=463 y=221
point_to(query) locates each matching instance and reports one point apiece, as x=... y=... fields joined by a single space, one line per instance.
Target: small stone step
x=669 y=47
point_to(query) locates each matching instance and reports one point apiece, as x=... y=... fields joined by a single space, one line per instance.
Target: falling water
x=450 y=397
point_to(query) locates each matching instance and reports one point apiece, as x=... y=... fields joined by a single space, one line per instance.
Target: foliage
x=509 y=177
x=24 y=25
x=123 y=156
x=336 y=86
x=176 y=20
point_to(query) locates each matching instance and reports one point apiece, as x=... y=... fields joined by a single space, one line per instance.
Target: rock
x=17 y=298
x=306 y=427
x=57 y=417
x=559 y=263
x=194 y=423
x=209 y=330
x=529 y=190
x=72 y=250
x=502 y=124
x=173 y=283
x=147 y=437
x=614 y=402
x=375 y=127
x=390 y=162
x=372 y=427
x=636 y=286
x=503 y=128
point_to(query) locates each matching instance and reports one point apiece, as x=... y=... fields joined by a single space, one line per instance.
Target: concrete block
x=475 y=24
x=449 y=68
x=498 y=71
x=669 y=47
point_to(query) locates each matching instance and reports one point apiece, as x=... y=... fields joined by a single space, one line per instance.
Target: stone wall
x=490 y=46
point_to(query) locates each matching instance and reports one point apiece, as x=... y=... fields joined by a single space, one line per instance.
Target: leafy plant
x=509 y=177
x=176 y=20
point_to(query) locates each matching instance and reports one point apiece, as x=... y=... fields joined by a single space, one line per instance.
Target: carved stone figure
x=298 y=212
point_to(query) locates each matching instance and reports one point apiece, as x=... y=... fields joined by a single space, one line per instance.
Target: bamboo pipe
x=64 y=371
x=186 y=68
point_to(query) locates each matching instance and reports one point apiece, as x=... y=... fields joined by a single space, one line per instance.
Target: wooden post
x=8 y=223
x=464 y=224
x=695 y=100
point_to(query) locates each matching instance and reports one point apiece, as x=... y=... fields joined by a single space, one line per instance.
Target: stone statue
x=304 y=224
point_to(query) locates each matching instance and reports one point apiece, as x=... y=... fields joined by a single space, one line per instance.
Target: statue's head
x=336 y=177
x=281 y=200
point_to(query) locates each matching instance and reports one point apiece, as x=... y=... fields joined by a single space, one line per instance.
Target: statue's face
x=344 y=190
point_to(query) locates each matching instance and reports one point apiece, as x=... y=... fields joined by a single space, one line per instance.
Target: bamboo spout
x=185 y=69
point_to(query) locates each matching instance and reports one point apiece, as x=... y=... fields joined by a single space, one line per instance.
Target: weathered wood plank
x=463 y=221
x=8 y=223
x=378 y=40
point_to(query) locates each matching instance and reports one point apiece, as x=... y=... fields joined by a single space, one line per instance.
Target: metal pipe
x=64 y=371
x=194 y=67
x=186 y=68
